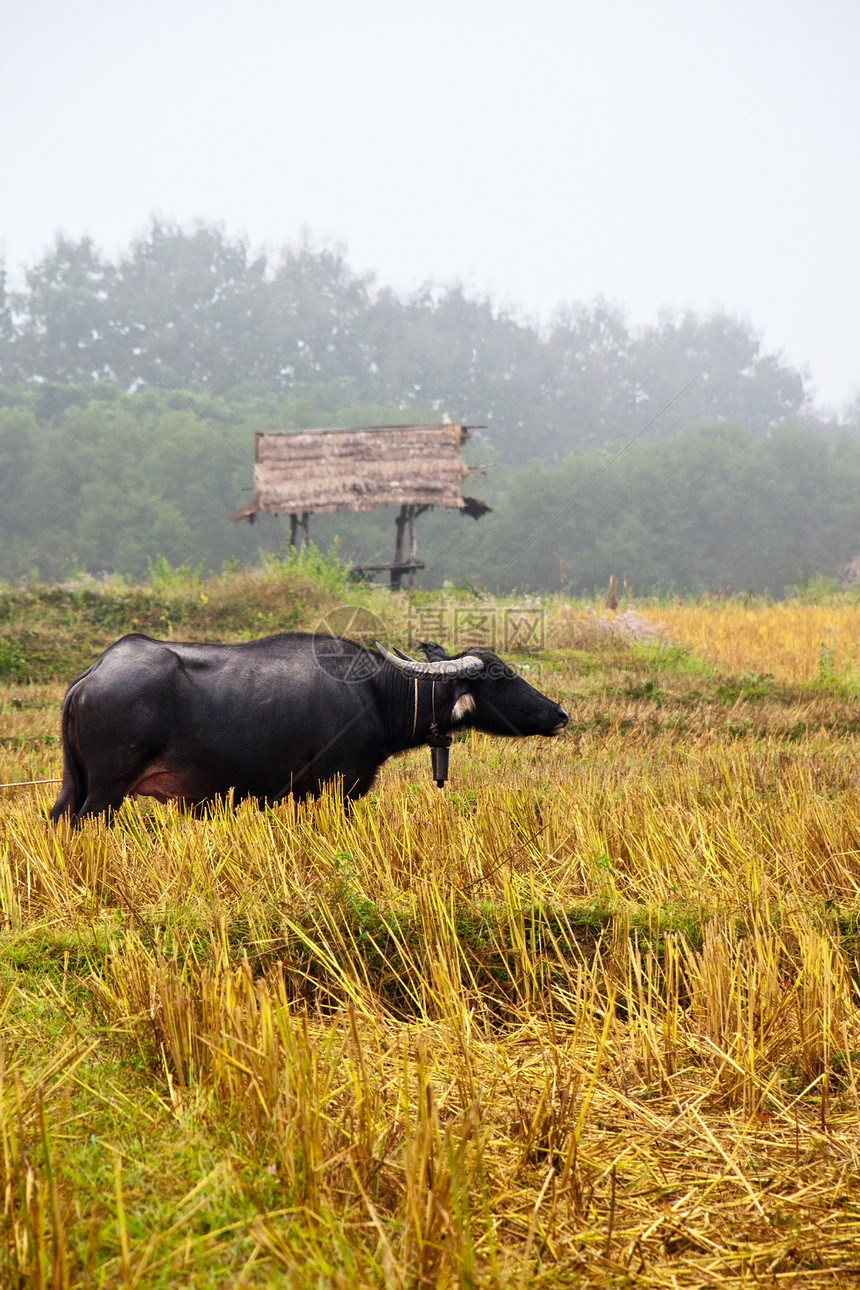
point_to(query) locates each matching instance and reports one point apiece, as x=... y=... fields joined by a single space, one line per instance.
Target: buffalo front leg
x=103 y=800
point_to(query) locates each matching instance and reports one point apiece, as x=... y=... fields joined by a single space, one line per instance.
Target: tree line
x=194 y=309
x=106 y=464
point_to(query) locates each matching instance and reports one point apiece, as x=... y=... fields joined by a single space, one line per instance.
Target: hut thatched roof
x=319 y=471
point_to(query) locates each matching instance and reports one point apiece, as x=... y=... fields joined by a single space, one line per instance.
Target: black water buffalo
x=273 y=717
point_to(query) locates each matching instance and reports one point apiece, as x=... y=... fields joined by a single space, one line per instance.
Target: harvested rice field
x=587 y=1017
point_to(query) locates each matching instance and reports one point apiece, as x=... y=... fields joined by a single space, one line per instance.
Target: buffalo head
x=489 y=694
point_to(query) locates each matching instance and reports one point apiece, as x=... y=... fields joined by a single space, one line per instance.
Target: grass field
x=588 y=1017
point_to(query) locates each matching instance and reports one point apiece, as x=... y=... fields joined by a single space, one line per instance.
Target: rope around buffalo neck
x=415 y=712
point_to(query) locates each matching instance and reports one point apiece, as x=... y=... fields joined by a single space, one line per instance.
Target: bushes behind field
x=55 y=632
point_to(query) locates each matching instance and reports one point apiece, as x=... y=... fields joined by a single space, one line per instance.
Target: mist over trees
x=103 y=467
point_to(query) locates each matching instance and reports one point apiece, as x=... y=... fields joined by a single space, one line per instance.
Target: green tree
x=8 y=335
x=68 y=327
x=313 y=326
x=708 y=509
x=733 y=380
x=190 y=308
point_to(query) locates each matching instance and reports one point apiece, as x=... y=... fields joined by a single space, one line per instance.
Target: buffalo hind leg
x=64 y=805
x=72 y=789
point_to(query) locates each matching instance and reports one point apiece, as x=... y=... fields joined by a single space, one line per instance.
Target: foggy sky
x=660 y=154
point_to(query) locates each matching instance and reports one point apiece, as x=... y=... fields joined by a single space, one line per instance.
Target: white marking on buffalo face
x=463 y=707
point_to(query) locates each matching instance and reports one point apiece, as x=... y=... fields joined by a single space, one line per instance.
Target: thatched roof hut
x=320 y=471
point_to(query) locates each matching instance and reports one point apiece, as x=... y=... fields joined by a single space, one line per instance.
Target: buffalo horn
x=469 y=665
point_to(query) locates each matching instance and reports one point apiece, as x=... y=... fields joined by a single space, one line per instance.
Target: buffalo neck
x=412 y=706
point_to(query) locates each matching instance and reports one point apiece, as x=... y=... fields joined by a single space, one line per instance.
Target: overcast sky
x=702 y=155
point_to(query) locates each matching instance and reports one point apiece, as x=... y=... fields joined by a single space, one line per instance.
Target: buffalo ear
x=432 y=652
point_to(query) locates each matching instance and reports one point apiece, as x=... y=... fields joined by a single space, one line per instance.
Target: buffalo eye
x=499 y=671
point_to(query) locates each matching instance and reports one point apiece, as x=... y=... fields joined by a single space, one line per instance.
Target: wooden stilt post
x=399 y=527
x=413 y=546
x=294 y=524
x=306 y=539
